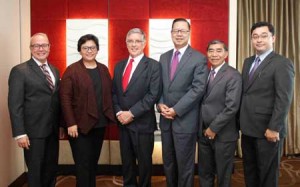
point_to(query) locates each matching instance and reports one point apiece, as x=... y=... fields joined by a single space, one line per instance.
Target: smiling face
x=216 y=54
x=135 y=44
x=40 y=47
x=262 y=39
x=89 y=51
x=180 y=34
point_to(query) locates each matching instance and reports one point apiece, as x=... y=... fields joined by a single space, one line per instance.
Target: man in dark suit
x=218 y=131
x=34 y=112
x=268 y=80
x=184 y=75
x=136 y=88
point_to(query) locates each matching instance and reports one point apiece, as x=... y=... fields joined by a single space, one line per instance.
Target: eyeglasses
x=38 y=46
x=87 y=48
x=131 y=42
x=263 y=37
x=177 y=31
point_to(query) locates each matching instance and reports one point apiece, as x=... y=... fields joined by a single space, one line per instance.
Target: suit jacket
x=185 y=91
x=266 y=99
x=33 y=106
x=221 y=103
x=78 y=99
x=141 y=94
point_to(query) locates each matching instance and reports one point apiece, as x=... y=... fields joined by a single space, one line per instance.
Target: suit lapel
x=184 y=59
x=218 y=77
x=120 y=75
x=168 y=65
x=56 y=76
x=36 y=69
x=258 y=71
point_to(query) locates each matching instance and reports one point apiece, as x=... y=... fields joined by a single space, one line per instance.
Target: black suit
x=265 y=104
x=34 y=110
x=218 y=112
x=137 y=138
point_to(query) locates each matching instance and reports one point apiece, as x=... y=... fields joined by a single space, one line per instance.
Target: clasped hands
x=167 y=112
x=125 y=117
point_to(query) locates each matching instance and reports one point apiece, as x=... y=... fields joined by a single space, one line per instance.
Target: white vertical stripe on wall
x=160 y=39
x=79 y=27
x=232 y=38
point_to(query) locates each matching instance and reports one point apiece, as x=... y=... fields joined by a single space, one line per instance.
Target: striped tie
x=48 y=77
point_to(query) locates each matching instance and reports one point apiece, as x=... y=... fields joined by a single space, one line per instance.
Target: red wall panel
x=169 y=8
x=49 y=10
x=209 y=10
x=203 y=32
x=87 y=9
x=129 y=9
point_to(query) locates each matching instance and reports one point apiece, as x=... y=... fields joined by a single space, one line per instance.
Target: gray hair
x=136 y=30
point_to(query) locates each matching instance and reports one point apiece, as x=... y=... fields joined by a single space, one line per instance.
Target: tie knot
x=212 y=72
x=177 y=53
x=43 y=66
x=131 y=60
x=257 y=60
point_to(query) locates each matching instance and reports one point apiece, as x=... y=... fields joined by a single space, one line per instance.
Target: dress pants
x=41 y=159
x=136 y=147
x=178 y=151
x=261 y=160
x=215 y=158
x=86 y=149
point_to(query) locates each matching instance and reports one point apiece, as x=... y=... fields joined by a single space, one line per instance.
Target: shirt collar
x=264 y=55
x=217 y=68
x=39 y=63
x=181 y=50
x=136 y=59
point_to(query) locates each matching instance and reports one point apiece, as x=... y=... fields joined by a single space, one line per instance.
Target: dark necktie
x=126 y=75
x=48 y=77
x=211 y=78
x=174 y=64
x=256 y=64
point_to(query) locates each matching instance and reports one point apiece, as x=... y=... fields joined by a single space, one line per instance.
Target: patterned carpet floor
x=289 y=176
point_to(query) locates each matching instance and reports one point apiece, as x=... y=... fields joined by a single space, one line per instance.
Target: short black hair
x=181 y=19
x=86 y=38
x=217 y=42
x=263 y=24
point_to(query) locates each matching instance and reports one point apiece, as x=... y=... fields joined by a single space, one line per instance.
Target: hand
x=23 y=142
x=125 y=117
x=170 y=113
x=162 y=107
x=272 y=136
x=73 y=131
x=165 y=111
x=209 y=134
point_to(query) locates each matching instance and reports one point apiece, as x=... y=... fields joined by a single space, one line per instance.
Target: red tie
x=127 y=75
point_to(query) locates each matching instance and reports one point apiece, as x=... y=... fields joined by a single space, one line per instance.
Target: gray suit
x=218 y=112
x=265 y=104
x=183 y=94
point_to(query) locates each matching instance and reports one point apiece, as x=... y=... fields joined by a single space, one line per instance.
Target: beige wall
x=11 y=157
